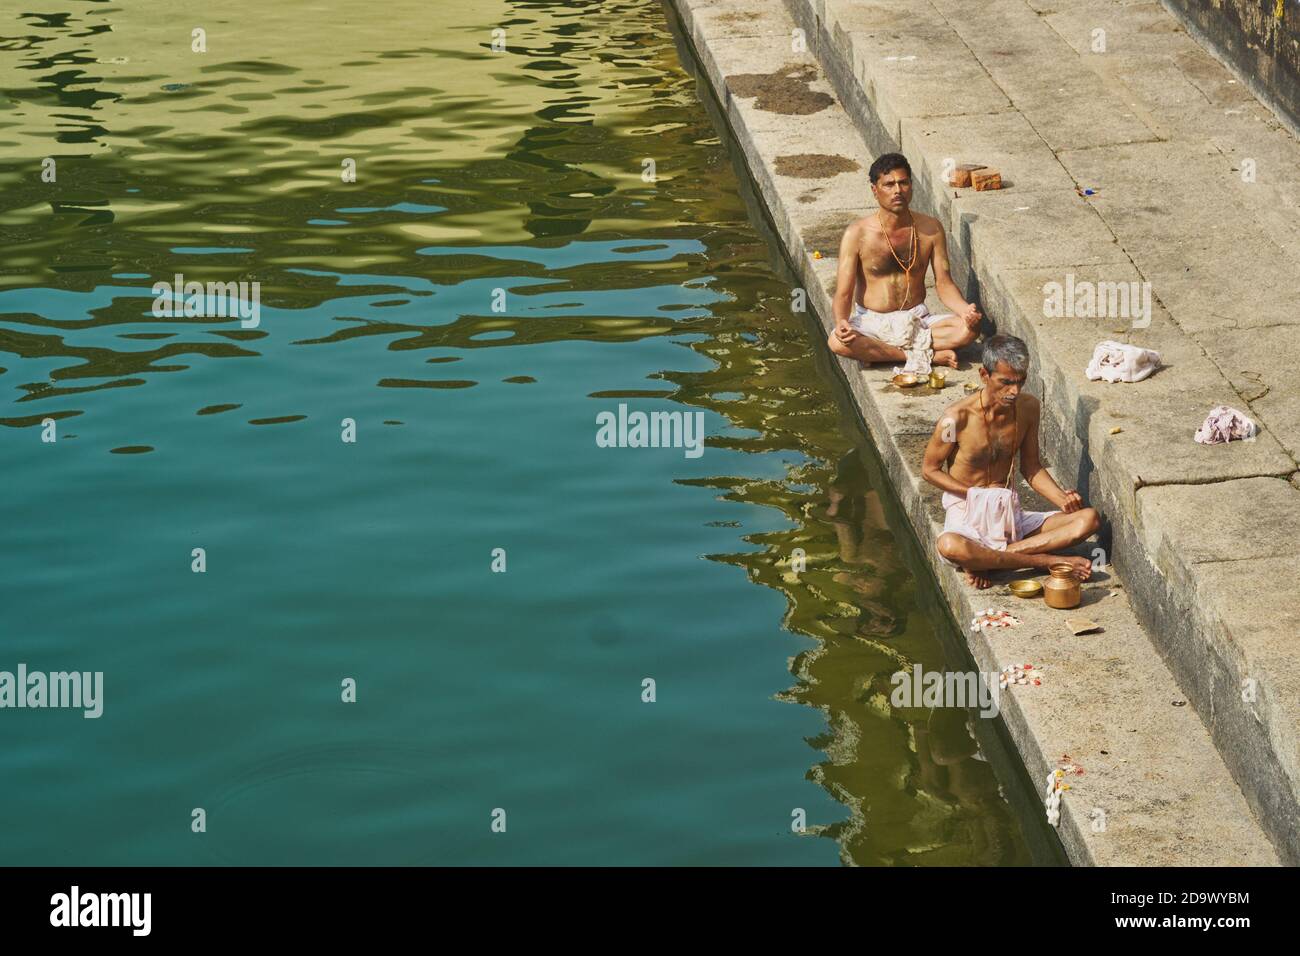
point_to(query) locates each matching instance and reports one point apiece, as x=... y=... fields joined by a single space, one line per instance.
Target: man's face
x=893 y=190
x=1004 y=385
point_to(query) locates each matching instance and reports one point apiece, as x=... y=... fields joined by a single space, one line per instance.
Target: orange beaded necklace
x=911 y=259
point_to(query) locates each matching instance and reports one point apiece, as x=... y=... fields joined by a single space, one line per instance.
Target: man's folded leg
x=1054 y=530
x=865 y=349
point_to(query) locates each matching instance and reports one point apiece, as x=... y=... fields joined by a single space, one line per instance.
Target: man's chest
x=900 y=253
x=985 y=445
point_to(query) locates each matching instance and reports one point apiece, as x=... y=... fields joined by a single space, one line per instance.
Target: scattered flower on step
x=1017 y=674
x=991 y=617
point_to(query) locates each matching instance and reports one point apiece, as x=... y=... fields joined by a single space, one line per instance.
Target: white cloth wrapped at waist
x=907 y=329
x=1117 y=362
x=992 y=517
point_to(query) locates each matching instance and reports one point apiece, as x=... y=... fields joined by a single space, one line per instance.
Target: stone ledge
x=1170 y=808
x=1002 y=254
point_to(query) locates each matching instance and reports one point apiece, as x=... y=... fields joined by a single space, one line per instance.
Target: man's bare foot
x=1081 y=567
x=944 y=357
x=978 y=581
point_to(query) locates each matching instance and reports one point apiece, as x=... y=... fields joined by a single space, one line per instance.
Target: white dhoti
x=992 y=517
x=907 y=329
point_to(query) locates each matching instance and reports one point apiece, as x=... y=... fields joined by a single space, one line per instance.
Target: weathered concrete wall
x=1259 y=39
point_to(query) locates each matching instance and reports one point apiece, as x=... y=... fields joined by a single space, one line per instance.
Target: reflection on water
x=921 y=791
x=497 y=275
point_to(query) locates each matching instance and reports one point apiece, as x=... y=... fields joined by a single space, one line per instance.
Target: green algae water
x=390 y=488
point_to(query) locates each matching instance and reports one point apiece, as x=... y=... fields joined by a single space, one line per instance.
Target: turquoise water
x=497 y=276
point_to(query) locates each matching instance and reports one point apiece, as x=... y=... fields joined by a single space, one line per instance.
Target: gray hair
x=1005 y=348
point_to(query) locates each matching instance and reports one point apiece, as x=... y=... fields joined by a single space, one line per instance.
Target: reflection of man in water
x=949 y=769
x=946 y=766
x=856 y=513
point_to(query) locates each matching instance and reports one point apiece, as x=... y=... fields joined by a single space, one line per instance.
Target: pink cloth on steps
x=1225 y=424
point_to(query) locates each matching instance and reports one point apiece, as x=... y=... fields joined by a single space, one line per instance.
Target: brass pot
x=1062 y=590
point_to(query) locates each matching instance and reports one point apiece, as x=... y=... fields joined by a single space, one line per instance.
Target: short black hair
x=887 y=164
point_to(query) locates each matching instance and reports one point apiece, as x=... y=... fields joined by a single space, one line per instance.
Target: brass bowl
x=905 y=380
x=1026 y=588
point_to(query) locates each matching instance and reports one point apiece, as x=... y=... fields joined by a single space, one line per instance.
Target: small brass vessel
x=938 y=378
x=905 y=380
x=1062 y=590
x=1026 y=588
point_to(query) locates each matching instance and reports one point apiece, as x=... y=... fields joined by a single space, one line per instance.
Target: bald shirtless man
x=879 y=305
x=978 y=437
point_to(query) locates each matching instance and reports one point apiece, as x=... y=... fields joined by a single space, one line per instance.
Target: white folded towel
x=1116 y=362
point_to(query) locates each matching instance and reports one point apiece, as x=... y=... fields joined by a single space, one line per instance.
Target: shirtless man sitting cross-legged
x=879 y=304
x=978 y=438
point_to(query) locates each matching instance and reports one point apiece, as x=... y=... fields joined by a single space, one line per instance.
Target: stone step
x=1109 y=699
x=1215 y=591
